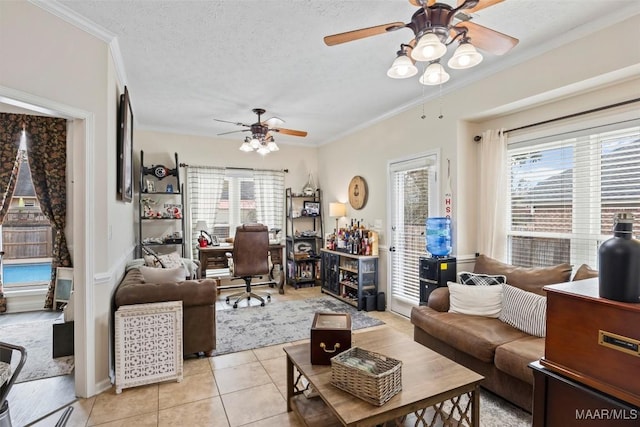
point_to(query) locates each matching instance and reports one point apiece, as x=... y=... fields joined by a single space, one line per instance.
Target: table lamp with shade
x=205 y=238
x=337 y=210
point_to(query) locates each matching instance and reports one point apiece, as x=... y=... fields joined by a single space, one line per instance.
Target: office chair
x=7 y=379
x=250 y=258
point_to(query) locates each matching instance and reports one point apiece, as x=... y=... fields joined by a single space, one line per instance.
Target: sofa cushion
x=585 y=272
x=524 y=310
x=467 y=278
x=514 y=357
x=528 y=279
x=475 y=335
x=475 y=300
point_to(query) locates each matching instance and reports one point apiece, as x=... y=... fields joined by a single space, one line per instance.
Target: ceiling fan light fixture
x=429 y=48
x=402 y=67
x=246 y=147
x=255 y=143
x=465 y=56
x=263 y=150
x=435 y=74
x=274 y=122
x=272 y=146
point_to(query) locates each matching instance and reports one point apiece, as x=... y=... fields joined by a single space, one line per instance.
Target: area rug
x=278 y=322
x=37 y=338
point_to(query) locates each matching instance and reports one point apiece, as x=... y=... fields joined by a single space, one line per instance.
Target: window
x=565 y=191
x=26 y=234
x=237 y=205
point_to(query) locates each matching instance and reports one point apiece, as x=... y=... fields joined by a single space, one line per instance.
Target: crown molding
x=90 y=27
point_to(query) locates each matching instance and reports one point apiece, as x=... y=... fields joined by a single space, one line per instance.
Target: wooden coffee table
x=429 y=380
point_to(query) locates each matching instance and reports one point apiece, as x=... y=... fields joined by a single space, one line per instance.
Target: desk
x=213 y=257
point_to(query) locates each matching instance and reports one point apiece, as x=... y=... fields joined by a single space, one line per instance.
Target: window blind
x=565 y=191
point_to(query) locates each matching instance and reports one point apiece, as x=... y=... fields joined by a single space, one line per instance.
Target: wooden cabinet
x=350 y=278
x=161 y=209
x=304 y=238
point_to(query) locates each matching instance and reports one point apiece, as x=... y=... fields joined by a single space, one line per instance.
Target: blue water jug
x=439 y=236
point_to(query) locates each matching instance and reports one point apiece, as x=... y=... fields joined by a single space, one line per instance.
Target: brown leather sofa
x=198 y=306
x=494 y=349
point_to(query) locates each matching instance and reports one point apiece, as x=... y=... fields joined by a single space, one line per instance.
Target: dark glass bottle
x=619 y=262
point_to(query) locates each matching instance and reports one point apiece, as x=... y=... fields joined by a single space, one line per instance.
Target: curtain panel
x=11 y=126
x=47 y=154
x=492 y=195
x=204 y=186
x=269 y=195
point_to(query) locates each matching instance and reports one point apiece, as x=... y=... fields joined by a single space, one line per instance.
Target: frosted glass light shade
x=255 y=144
x=465 y=56
x=263 y=150
x=246 y=147
x=402 y=68
x=429 y=48
x=435 y=74
x=272 y=146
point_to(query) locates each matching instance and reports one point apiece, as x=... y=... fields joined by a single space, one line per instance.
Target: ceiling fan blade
x=235 y=123
x=362 y=33
x=289 y=132
x=233 y=131
x=482 y=4
x=487 y=39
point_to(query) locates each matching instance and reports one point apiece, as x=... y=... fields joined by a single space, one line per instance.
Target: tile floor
x=240 y=389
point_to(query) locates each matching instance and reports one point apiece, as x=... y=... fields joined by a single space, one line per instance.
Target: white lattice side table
x=148 y=343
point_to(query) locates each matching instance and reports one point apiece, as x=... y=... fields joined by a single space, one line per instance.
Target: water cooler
x=435 y=272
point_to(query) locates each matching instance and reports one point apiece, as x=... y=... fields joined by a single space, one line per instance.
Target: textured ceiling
x=188 y=62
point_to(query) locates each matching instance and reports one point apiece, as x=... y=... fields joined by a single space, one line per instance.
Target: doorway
x=413 y=195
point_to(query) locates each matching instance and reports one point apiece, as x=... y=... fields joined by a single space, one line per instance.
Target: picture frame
x=312 y=208
x=64 y=285
x=214 y=241
x=125 y=149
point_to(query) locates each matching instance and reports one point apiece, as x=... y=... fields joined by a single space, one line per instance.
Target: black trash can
x=370 y=302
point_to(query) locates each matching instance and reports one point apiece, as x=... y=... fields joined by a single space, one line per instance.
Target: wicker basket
x=376 y=379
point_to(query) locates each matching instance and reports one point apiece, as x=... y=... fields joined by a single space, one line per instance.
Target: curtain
x=269 y=195
x=204 y=186
x=47 y=154
x=492 y=200
x=10 y=129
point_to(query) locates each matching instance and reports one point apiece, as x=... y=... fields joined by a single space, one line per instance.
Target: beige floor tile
x=144 y=420
x=288 y=419
x=232 y=359
x=253 y=404
x=110 y=406
x=191 y=389
x=79 y=415
x=276 y=368
x=241 y=377
x=196 y=365
x=270 y=352
x=207 y=412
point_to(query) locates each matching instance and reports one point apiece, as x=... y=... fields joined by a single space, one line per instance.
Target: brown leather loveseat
x=489 y=346
x=198 y=306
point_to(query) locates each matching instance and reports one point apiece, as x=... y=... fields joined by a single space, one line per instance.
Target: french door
x=413 y=195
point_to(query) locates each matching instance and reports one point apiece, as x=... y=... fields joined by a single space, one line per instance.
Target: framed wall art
x=125 y=148
x=312 y=208
x=64 y=285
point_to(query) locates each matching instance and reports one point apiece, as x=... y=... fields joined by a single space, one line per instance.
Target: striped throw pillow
x=524 y=310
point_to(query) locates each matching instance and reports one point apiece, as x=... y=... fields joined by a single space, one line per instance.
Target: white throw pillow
x=524 y=310
x=475 y=300
x=163 y=275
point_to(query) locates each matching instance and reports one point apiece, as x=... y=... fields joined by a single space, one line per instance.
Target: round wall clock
x=357 y=192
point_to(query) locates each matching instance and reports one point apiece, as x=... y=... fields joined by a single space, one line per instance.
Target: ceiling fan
x=434 y=29
x=261 y=138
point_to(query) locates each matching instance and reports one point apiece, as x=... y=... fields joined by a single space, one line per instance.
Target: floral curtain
x=10 y=128
x=47 y=154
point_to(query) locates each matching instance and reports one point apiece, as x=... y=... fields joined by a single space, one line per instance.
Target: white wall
x=546 y=82
x=47 y=59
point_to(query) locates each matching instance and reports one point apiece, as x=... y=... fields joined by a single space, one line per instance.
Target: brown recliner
x=250 y=258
